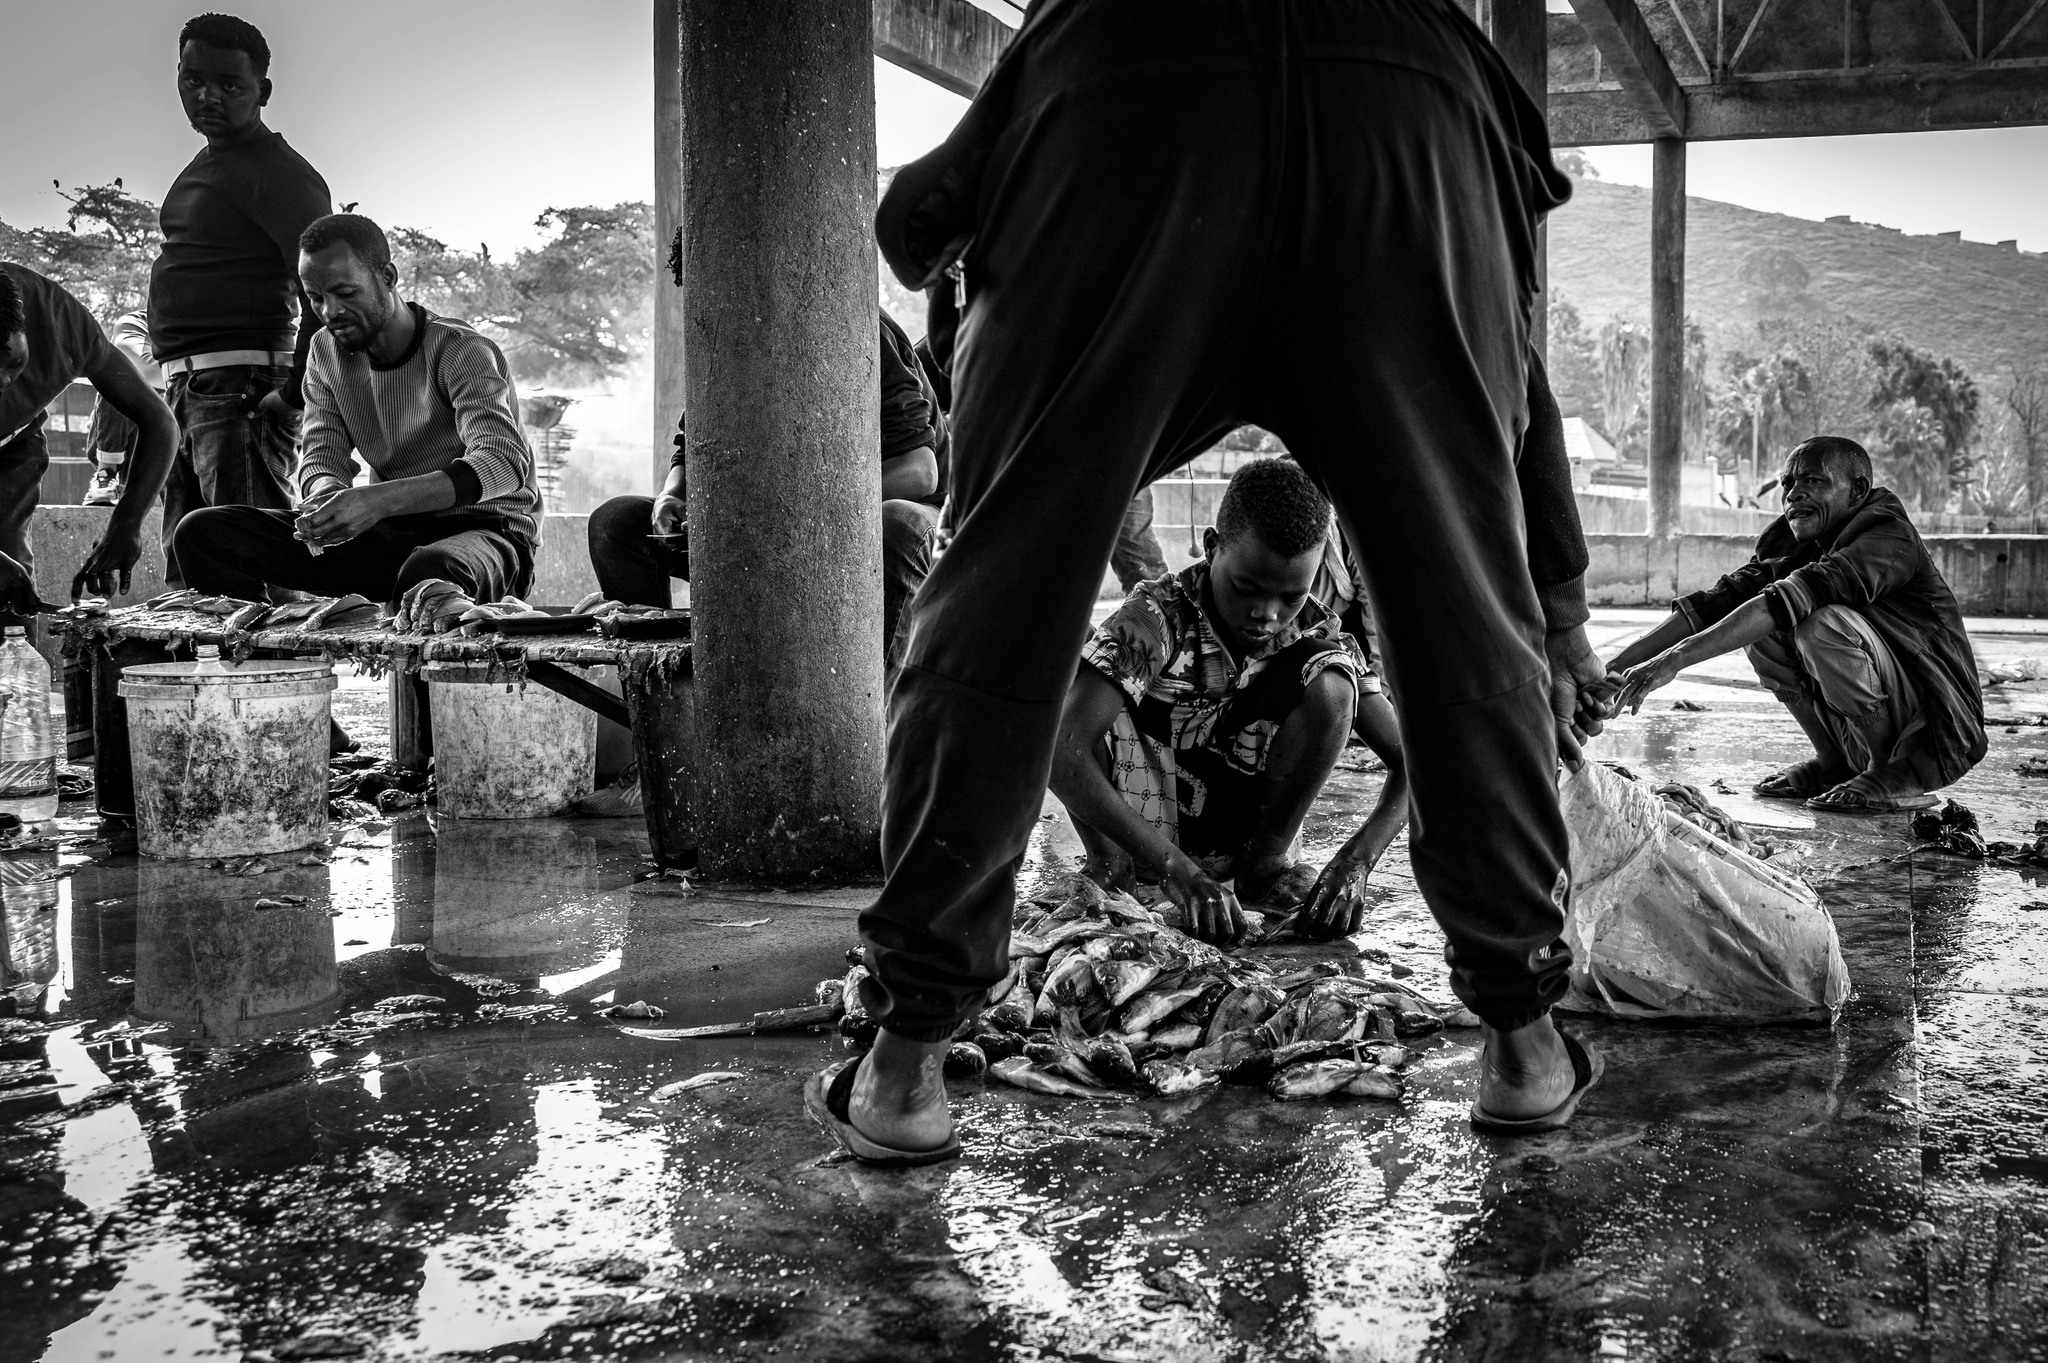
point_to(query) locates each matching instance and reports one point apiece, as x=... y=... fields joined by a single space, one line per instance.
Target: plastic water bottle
x=28 y=736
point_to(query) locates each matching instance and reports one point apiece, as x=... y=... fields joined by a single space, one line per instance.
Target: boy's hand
x=1336 y=906
x=1208 y=910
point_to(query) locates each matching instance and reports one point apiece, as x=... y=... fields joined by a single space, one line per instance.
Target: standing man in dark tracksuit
x=1138 y=193
x=224 y=290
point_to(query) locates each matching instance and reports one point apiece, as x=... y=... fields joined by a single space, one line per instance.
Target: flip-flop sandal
x=825 y=1099
x=1796 y=782
x=1861 y=802
x=1587 y=1067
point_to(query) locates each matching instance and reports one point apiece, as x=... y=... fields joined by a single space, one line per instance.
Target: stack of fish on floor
x=1103 y=998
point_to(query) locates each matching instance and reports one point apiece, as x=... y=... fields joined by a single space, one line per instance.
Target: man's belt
x=222 y=359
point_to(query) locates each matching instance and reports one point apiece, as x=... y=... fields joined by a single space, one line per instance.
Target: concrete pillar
x=785 y=494
x=1667 y=334
x=1520 y=29
x=667 y=349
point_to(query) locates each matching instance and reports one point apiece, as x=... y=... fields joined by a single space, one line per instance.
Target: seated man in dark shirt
x=48 y=339
x=1208 y=712
x=1847 y=620
x=638 y=543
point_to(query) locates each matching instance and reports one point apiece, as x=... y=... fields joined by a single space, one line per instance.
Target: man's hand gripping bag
x=1669 y=921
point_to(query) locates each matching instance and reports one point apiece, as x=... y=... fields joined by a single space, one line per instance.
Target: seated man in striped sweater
x=428 y=403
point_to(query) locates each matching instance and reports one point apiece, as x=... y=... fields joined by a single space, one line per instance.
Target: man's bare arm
x=907 y=477
x=106 y=569
x=1747 y=624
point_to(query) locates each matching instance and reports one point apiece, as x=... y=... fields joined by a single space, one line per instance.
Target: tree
x=1573 y=360
x=1775 y=280
x=1574 y=162
x=580 y=306
x=1947 y=394
x=1624 y=373
x=451 y=282
x=1838 y=378
x=2024 y=422
x=1905 y=444
x=102 y=254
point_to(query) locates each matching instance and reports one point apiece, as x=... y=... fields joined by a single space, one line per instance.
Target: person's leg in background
x=631 y=567
x=22 y=462
x=1137 y=556
x=908 y=529
x=109 y=440
x=1405 y=395
x=1869 y=702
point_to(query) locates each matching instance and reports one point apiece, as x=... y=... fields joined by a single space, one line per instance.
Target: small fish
x=283 y=901
x=832 y=991
x=733 y=923
x=636 y=1009
x=1230 y=1051
x=1122 y=981
x=1148 y=1010
x=1172 y=1079
x=1245 y=1006
x=1314 y=1078
x=1021 y=1073
x=1185 y=1036
x=1465 y=1017
x=695 y=1081
x=1069 y=983
x=1110 y=1059
x=965 y=1060
x=1022 y=946
x=1374 y=1083
x=1174 y=1289
x=410 y=1003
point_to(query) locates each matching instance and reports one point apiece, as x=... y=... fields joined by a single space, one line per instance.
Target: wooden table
x=655 y=677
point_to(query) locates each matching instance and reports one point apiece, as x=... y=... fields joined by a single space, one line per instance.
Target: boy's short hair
x=1275 y=500
x=13 y=312
x=364 y=239
x=230 y=33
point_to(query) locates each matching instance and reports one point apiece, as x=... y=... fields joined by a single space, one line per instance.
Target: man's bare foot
x=1524 y=1073
x=1277 y=882
x=899 y=1095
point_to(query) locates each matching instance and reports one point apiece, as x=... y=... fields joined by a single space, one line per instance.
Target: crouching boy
x=1208 y=712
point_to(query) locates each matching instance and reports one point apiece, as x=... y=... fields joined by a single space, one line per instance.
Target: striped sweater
x=447 y=406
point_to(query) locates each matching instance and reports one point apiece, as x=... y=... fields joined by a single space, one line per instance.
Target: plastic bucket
x=506 y=751
x=230 y=759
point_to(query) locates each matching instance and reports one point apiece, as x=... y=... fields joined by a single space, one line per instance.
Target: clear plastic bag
x=1669 y=921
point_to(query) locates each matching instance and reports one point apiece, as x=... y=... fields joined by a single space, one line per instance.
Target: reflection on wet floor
x=386 y=1123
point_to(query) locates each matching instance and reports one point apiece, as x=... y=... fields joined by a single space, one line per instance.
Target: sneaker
x=620 y=800
x=104 y=489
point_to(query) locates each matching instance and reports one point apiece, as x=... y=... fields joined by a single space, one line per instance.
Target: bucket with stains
x=506 y=750
x=230 y=758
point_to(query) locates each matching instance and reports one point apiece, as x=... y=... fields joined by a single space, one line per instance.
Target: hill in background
x=1986 y=306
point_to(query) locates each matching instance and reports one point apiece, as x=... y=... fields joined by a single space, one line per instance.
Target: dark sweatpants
x=1182 y=181
x=240 y=550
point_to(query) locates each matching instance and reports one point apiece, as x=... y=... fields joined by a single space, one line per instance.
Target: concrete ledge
x=1990 y=574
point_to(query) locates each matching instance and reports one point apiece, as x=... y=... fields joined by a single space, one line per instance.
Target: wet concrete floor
x=242 y=1156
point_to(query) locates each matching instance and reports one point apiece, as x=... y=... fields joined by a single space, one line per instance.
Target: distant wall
x=1990 y=574
x=1607 y=515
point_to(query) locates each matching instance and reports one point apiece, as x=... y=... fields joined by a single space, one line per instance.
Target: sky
x=466 y=118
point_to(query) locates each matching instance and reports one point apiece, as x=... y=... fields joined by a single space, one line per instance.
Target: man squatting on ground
x=1143 y=203
x=1848 y=621
x=634 y=566
x=430 y=406
x=47 y=340
x=1210 y=709
x=224 y=290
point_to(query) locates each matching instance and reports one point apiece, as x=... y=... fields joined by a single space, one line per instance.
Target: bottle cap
x=16 y=632
x=207 y=653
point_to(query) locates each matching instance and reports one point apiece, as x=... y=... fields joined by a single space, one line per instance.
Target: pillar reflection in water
x=218 y=969
x=102 y=937
x=517 y=899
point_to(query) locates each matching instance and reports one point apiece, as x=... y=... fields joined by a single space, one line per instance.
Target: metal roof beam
x=1630 y=52
x=949 y=42
x=1818 y=105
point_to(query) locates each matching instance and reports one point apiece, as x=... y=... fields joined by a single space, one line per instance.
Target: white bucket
x=230 y=759
x=503 y=751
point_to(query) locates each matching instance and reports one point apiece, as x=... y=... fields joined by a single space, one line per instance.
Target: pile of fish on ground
x=1104 y=999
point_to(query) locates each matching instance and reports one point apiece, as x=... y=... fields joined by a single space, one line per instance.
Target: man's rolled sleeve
x=1130 y=646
